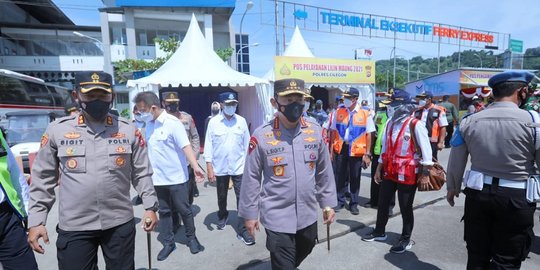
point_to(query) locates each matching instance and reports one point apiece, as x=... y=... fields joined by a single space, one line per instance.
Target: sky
x=520 y=18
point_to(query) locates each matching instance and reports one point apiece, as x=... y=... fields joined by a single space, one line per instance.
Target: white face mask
x=347 y=102
x=306 y=106
x=422 y=103
x=146 y=117
x=229 y=109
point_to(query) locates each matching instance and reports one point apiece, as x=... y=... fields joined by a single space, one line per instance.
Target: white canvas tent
x=195 y=64
x=298 y=47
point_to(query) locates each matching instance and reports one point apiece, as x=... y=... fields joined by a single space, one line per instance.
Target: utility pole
x=394 y=85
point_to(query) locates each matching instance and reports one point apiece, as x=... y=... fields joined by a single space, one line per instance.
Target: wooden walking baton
x=147 y=222
x=325 y=216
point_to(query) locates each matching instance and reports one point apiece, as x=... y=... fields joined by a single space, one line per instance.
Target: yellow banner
x=476 y=77
x=325 y=70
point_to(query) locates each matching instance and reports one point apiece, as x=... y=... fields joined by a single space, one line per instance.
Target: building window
x=242 y=53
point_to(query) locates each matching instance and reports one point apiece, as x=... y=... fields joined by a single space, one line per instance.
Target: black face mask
x=215 y=111
x=172 y=108
x=292 y=112
x=97 y=109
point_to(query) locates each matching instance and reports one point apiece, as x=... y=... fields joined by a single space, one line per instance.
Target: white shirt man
x=226 y=146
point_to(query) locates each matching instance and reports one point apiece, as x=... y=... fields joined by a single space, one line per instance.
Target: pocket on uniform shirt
x=219 y=138
x=73 y=158
x=278 y=164
x=119 y=156
x=238 y=136
x=310 y=160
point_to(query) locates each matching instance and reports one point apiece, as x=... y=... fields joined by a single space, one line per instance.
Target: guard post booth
x=460 y=84
x=328 y=78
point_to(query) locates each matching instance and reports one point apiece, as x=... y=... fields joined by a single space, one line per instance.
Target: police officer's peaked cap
x=511 y=76
x=307 y=93
x=86 y=81
x=289 y=86
x=399 y=97
x=170 y=97
x=227 y=97
x=352 y=92
x=425 y=94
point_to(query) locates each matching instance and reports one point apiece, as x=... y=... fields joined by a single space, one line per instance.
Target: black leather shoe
x=354 y=209
x=165 y=252
x=194 y=246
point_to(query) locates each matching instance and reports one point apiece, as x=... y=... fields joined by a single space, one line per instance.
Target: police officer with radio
x=290 y=155
x=95 y=157
x=503 y=147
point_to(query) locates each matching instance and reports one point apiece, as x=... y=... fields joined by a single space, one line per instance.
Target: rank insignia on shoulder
x=80 y=120
x=72 y=135
x=279 y=170
x=273 y=143
x=252 y=144
x=120 y=161
x=139 y=136
x=44 y=139
x=71 y=163
x=118 y=135
x=109 y=120
x=269 y=135
x=310 y=139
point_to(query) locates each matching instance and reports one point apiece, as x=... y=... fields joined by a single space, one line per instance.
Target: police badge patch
x=252 y=144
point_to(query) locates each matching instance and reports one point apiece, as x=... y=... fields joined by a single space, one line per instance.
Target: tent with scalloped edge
x=195 y=67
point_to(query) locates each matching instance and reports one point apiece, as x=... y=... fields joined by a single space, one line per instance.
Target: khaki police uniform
x=498 y=219
x=93 y=166
x=298 y=181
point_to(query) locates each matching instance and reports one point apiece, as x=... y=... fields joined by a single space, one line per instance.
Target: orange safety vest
x=432 y=120
x=357 y=131
x=400 y=165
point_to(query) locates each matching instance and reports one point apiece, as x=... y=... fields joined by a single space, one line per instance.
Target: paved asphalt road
x=438 y=235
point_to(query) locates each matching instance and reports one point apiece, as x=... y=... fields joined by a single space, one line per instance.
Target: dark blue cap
x=511 y=76
x=227 y=97
x=339 y=97
x=400 y=97
x=425 y=94
x=352 y=92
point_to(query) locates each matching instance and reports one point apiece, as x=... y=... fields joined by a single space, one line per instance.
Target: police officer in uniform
x=171 y=104
x=290 y=155
x=96 y=156
x=501 y=143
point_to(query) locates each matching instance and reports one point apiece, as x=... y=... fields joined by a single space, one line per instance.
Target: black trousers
x=15 y=253
x=222 y=189
x=353 y=165
x=405 y=198
x=498 y=227
x=375 y=188
x=449 y=132
x=192 y=185
x=174 y=197
x=288 y=250
x=77 y=250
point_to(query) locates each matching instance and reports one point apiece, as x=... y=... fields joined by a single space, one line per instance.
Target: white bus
x=19 y=92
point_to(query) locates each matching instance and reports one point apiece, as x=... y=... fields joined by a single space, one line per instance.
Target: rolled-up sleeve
x=248 y=207
x=422 y=138
x=44 y=179
x=141 y=174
